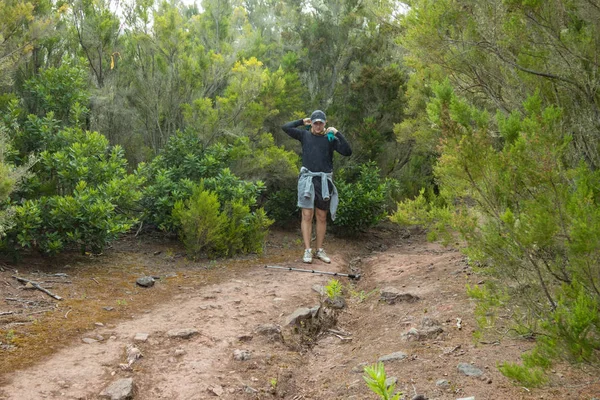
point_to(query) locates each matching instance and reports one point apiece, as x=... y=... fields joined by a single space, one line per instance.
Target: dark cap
x=317 y=116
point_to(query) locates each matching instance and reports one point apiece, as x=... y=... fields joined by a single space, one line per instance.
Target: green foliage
x=529 y=377
x=573 y=327
x=201 y=221
x=185 y=160
x=262 y=159
x=489 y=298
x=361 y=296
x=171 y=175
x=10 y=178
x=421 y=211
x=375 y=377
x=367 y=108
x=528 y=217
x=281 y=206
x=96 y=28
x=78 y=195
x=273 y=165
x=363 y=202
x=85 y=219
x=205 y=228
x=61 y=90
x=333 y=289
x=24 y=25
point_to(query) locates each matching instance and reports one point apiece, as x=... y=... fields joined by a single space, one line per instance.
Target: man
x=315 y=184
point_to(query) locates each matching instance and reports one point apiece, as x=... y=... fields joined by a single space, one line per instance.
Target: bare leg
x=321 y=227
x=306 y=226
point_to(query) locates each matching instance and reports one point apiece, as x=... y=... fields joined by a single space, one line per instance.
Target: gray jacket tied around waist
x=306 y=190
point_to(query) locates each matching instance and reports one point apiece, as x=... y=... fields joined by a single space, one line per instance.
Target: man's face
x=318 y=126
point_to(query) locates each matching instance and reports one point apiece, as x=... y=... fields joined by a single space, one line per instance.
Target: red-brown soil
x=42 y=355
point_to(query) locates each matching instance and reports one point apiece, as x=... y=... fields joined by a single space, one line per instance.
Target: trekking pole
x=312 y=271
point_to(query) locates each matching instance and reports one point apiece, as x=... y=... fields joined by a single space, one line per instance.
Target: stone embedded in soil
x=336 y=303
x=360 y=367
x=393 y=357
x=241 y=355
x=443 y=383
x=271 y=330
x=245 y=338
x=301 y=314
x=141 y=337
x=217 y=390
x=467 y=398
x=182 y=333
x=179 y=352
x=88 y=340
x=145 y=281
x=469 y=369
x=119 y=390
x=392 y=295
x=133 y=354
x=250 y=389
x=422 y=334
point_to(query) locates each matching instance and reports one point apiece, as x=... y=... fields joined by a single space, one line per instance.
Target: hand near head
x=306 y=121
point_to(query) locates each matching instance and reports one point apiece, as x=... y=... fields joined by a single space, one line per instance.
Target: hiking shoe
x=321 y=255
x=307 y=258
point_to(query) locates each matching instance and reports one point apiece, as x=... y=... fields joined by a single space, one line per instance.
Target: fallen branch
x=39 y=312
x=38 y=287
x=96 y=280
x=6 y=313
x=339 y=332
x=34 y=303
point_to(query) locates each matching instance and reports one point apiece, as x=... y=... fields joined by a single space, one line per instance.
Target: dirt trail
x=226 y=314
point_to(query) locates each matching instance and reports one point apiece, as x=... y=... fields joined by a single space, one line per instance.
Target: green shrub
x=530 y=216
x=184 y=162
x=256 y=226
x=363 y=201
x=527 y=376
x=262 y=159
x=58 y=90
x=427 y=211
x=201 y=222
x=207 y=227
x=282 y=206
x=160 y=196
x=78 y=195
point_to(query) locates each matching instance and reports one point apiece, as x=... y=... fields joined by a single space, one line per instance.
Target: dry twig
x=38 y=287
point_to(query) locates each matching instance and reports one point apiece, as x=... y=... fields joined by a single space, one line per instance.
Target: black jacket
x=317 y=150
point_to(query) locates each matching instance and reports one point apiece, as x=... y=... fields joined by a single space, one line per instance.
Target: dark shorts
x=319 y=202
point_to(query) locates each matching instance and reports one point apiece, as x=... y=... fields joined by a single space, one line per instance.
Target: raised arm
x=291 y=128
x=340 y=144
